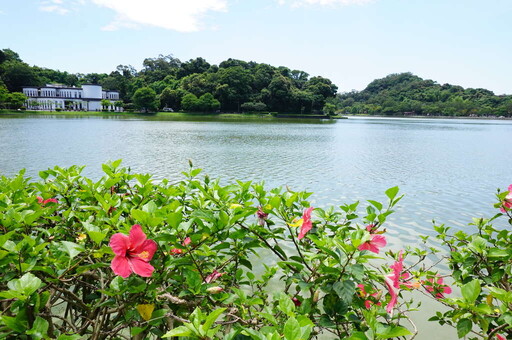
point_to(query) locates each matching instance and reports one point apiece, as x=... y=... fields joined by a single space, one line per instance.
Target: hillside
x=406 y=93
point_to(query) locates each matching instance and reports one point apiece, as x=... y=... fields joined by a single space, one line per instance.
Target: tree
x=145 y=99
x=16 y=100
x=253 y=107
x=106 y=104
x=171 y=98
x=208 y=103
x=329 y=109
x=189 y=102
x=16 y=74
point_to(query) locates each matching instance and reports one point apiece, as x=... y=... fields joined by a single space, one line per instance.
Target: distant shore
x=167 y=114
x=427 y=117
x=232 y=115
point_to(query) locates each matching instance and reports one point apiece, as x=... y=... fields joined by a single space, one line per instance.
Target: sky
x=351 y=42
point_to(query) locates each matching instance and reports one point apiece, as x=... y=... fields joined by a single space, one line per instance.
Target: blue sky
x=351 y=42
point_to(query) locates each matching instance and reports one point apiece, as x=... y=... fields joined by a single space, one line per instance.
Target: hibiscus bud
x=214 y=290
x=296 y=302
x=316 y=296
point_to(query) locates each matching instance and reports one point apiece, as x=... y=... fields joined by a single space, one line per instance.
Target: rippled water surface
x=448 y=169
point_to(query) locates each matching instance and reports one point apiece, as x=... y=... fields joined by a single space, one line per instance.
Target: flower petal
x=137 y=238
x=140 y=267
x=120 y=266
x=378 y=241
x=149 y=246
x=119 y=244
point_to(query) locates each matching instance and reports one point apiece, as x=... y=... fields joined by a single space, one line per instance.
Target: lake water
x=448 y=169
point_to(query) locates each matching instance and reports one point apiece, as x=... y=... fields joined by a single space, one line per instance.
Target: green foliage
x=145 y=99
x=55 y=256
x=232 y=83
x=481 y=265
x=220 y=269
x=405 y=93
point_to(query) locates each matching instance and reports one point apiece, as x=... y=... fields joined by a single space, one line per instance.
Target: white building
x=85 y=98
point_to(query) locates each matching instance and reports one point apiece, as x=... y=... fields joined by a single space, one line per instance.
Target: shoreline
x=425 y=117
x=230 y=115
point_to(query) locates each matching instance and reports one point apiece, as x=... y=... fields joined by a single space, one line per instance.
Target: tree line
x=406 y=93
x=166 y=83
x=194 y=85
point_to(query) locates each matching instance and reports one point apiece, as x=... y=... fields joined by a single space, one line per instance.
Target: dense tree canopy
x=240 y=86
x=225 y=87
x=406 y=93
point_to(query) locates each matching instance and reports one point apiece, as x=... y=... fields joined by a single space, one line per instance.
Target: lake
x=449 y=169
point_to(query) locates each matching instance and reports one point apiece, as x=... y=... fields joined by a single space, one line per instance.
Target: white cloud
x=53 y=6
x=298 y=3
x=177 y=15
x=59 y=6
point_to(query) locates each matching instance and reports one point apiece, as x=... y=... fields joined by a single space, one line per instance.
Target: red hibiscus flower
x=44 y=202
x=306 y=223
x=374 y=243
x=133 y=253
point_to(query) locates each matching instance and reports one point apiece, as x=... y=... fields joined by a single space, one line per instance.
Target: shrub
x=205 y=260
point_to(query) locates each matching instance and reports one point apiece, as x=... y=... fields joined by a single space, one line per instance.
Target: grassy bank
x=168 y=115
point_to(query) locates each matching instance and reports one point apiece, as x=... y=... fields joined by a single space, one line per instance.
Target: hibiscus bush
x=126 y=256
x=481 y=264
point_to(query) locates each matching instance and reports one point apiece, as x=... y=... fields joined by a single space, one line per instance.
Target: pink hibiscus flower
x=44 y=202
x=262 y=216
x=500 y=337
x=213 y=276
x=507 y=202
x=185 y=243
x=368 y=302
x=306 y=223
x=374 y=243
x=133 y=253
x=392 y=282
x=437 y=287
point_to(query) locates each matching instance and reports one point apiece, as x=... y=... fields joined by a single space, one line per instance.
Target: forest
x=194 y=85
x=165 y=83
x=408 y=94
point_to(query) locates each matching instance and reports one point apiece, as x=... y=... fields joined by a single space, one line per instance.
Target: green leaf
x=392 y=332
x=69 y=337
x=286 y=305
x=211 y=318
x=471 y=290
x=345 y=290
x=292 y=329
x=496 y=253
x=334 y=305
x=193 y=279
x=275 y=202
x=174 y=219
x=72 y=248
x=376 y=204
x=464 y=327
x=392 y=192
x=26 y=285
x=40 y=328
x=357 y=336
x=178 y=331
x=15 y=324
